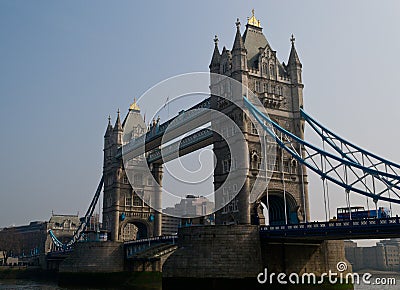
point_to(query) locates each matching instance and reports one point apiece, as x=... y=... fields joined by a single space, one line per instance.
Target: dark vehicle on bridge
x=359 y=213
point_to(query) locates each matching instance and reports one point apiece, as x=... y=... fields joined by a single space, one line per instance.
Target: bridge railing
x=332 y=224
x=137 y=246
x=153 y=239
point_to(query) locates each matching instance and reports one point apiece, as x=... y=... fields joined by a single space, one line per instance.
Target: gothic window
x=293 y=165
x=128 y=199
x=137 y=180
x=265 y=87
x=137 y=201
x=253 y=129
x=286 y=166
x=235 y=204
x=235 y=188
x=233 y=163
x=272 y=69
x=226 y=165
x=257 y=86
x=254 y=160
x=264 y=67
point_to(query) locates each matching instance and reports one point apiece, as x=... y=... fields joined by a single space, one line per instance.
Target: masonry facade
x=279 y=87
x=126 y=214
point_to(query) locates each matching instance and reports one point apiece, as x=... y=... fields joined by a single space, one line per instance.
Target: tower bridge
x=240 y=229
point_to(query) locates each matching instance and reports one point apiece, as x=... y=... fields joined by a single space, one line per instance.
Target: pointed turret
x=238 y=43
x=294 y=65
x=239 y=55
x=118 y=124
x=216 y=58
x=118 y=130
x=294 y=59
x=109 y=128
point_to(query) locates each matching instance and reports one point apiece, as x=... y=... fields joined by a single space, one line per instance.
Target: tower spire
x=216 y=58
x=294 y=59
x=118 y=125
x=238 y=43
x=109 y=127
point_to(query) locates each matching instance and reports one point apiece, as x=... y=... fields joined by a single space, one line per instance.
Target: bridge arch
x=134 y=229
x=276 y=210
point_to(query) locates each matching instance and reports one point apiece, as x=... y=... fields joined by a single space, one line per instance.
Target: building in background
x=33 y=240
x=186 y=209
x=384 y=256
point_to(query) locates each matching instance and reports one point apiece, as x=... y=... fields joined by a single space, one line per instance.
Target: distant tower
x=279 y=87
x=125 y=214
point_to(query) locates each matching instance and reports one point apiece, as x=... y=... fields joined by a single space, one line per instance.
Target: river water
x=27 y=284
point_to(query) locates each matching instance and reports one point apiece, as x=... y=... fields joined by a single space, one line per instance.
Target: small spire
x=118 y=125
x=216 y=57
x=109 y=127
x=293 y=57
x=292 y=39
x=237 y=23
x=216 y=40
x=238 y=43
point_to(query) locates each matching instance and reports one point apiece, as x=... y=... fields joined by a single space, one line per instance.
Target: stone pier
x=222 y=257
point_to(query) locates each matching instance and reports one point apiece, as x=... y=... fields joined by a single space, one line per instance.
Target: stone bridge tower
x=125 y=214
x=254 y=63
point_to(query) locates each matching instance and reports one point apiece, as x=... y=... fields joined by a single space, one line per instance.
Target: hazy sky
x=65 y=66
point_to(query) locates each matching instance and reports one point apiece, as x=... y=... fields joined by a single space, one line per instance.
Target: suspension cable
x=328 y=209
x=302 y=185
x=323 y=185
x=284 y=185
x=390 y=203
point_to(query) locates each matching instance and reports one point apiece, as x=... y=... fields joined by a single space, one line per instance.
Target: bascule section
x=279 y=87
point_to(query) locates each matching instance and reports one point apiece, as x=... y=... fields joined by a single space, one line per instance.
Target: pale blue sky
x=65 y=66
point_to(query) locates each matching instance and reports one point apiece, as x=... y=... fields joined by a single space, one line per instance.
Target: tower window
x=265 y=68
x=272 y=70
x=226 y=165
x=253 y=129
x=125 y=180
x=128 y=199
x=265 y=87
x=257 y=86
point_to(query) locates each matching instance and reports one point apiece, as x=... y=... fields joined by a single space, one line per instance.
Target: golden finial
x=253 y=20
x=134 y=106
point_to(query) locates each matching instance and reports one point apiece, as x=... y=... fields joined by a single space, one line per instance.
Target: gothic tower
x=125 y=213
x=254 y=63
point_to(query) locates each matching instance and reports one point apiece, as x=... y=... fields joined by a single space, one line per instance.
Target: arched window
x=272 y=70
x=265 y=68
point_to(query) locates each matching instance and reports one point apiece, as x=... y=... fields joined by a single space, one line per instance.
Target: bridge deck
x=334 y=230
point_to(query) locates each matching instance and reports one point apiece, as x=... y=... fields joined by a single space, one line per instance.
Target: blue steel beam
x=343 y=162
